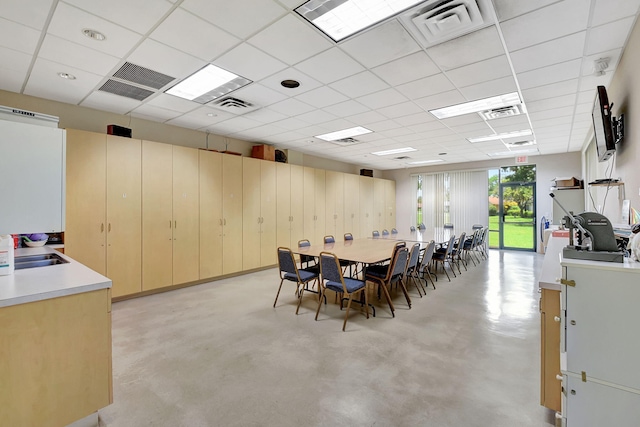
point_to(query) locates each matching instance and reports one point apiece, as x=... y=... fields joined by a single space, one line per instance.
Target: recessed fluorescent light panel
x=514 y=152
x=396 y=151
x=499 y=101
x=345 y=133
x=340 y=19
x=207 y=84
x=505 y=135
x=425 y=162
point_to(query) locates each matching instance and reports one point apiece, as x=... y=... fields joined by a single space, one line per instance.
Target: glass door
x=517 y=216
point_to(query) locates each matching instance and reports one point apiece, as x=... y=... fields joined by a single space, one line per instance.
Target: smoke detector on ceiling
x=502 y=112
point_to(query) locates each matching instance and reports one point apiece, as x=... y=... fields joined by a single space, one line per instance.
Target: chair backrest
x=448 y=225
x=385 y=232
x=413 y=257
x=422 y=226
x=428 y=254
x=286 y=261
x=329 y=239
x=452 y=241
x=305 y=258
x=460 y=242
x=375 y=233
x=394 y=231
x=412 y=229
x=303 y=243
x=330 y=269
x=398 y=265
x=477 y=226
x=348 y=236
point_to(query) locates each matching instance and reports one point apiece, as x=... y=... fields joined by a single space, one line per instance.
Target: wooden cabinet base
x=550 y=386
x=56 y=359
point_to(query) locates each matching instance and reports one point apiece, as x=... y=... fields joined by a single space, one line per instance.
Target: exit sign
x=522 y=159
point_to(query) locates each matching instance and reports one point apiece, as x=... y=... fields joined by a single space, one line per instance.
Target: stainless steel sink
x=41 y=260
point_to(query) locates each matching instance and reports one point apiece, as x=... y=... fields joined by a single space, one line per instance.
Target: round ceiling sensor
x=93 y=34
x=67 y=76
x=290 y=84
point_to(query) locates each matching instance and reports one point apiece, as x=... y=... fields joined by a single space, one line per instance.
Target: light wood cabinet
x=232 y=214
x=334 y=204
x=157 y=215
x=85 y=233
x=352 y=205
x=211 y=244
x=297 y=204
x=314 y=204
x=283 y=205
x=124 y=215
x=366 y=206
x=186 y=215
x=550 y=390
x=259 y=213
x=379 y=220
x=390 y=204
x=267 y=213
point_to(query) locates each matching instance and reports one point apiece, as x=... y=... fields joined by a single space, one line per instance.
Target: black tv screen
x=602 y=129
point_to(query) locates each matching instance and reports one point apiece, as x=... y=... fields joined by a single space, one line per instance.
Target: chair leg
x=430 y=278
x=300 y=299
x=320 y=303
x=386 y=295
x=415 y=280
x=366 y=300
x=277 y=294
x=346 y=316
x=404 y=290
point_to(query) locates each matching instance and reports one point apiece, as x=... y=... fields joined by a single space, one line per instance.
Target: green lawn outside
x=518 y=232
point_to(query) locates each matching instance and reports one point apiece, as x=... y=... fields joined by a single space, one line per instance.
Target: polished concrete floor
x=219 y=354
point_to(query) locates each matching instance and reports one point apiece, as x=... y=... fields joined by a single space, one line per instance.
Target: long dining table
x=439 y=235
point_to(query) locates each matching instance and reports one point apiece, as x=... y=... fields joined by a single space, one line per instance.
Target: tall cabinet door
x=390 y=204
x=157 y=215
x=379 y=220
x=309 y=203
x=186 y=215
x=334 y=205
x=297 y=205
x=366 y=206
x=85 y=230
x=124 y=215
x=210 y=214
x=267 y=213
x=251 y=213
x=320 y=202
x=231 y=213
x=283 y=205
x=352 y=205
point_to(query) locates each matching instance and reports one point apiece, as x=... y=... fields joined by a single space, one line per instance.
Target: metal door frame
x=501 y=214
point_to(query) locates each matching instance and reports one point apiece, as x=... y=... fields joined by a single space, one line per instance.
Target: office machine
x=595 y=238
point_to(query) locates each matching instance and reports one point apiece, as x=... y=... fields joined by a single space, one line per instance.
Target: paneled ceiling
x=385 y=78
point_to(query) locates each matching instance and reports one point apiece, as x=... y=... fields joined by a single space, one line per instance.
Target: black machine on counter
x=595 y=238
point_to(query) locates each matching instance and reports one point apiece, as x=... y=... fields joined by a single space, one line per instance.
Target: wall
x=76 y=117
x=624 y=92
x=547 y=168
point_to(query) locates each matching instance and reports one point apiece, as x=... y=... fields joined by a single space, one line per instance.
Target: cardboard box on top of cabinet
x=264 y=152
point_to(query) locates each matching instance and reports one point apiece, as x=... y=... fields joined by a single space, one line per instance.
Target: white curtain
x=460 y=198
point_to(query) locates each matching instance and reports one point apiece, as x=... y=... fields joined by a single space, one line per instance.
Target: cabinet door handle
x=258 y=220
x=102 y=227
x=175 y=224
x=225 y=221
x=559 y=377
x=109 y=228
x=220 y=221
x=169 y=225
x=556 y=319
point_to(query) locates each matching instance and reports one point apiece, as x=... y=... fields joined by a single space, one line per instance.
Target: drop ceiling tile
x=165 y=59
x=586 y=96
x=44 y=82
x=106 y=101
x=18 y=37
x=440 y=100
x=63 y=51
x=477 y=46
x=306 y=83
x=291 y=123
x=491 y=88
x=137 y=15
x=414 y=119
x=157 y=113
x=585 y=108
x=330 y=66
x=322 y=97
x=259 y=133
x=241 y=18
x=550 y=114
x=317 y=117
x=381 y=99
x=32 y=13
x=551 y=74
x=242 y=60
x=479 y=72
x=551 y=90
x=360 y=84
x=381 y=44
x=347 y=108
x=465 y=119
x=258 y=95
x=609 y=36
x=406 y=69
x=611 y=10
x=264 y=115
x=236 y=124
x=549 y=53
x=171 y=32
x=68 y=23
x=277 y=40
x=291 y=107
x=507 y=9
x=366 y=117
x=173 y=103
x=400 y=110
x=556 y=102
x=473 y=129
x=591 y=82
x=201 y=117
x=557 y=20
x=15 y=61
x=383 y=125
x=11 y=80
x=540 y=125
x=426 y=87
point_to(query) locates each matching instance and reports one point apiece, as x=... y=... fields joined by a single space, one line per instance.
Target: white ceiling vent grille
x=233 y=105
x=438 y=21
x=346 y=142
x=142 y=76
x=126 y=90
x=502 y=112
x=520 y=143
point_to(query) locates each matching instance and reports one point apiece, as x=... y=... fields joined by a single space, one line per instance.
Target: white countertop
x=40 y=283
x=551 y=268
x=627 y=266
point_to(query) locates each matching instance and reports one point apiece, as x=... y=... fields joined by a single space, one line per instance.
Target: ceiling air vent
x=401 y=158
x=520 y=143
x=502 y=112
x=126 y=90
x=346 y=141
x=438 y=21
x=142 y=76
x=233 y=105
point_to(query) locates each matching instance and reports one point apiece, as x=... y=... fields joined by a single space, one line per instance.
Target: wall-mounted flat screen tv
x=602 y=127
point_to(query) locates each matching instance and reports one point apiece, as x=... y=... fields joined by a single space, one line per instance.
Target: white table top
x=40 y=283
x=439 y=235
